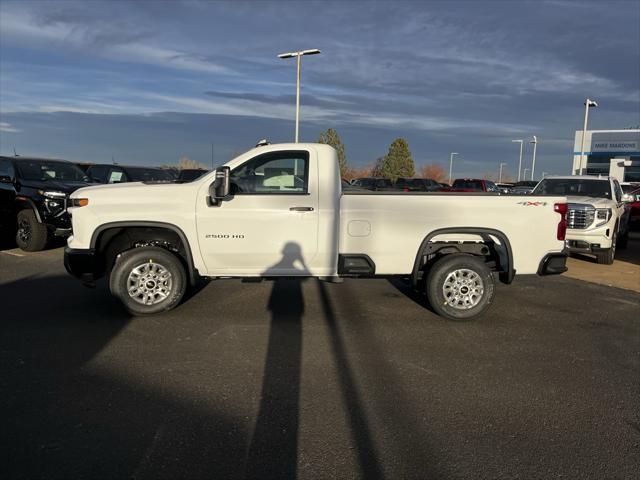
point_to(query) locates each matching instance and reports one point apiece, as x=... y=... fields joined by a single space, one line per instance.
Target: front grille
x=580 y=216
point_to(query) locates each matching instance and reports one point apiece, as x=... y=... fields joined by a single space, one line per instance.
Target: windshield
x=50 y=170
x=575 y=187
x=140 y=174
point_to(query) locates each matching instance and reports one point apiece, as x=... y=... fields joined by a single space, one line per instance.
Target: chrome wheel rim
x=463 y=289
x=149 y=283
x=24 y=231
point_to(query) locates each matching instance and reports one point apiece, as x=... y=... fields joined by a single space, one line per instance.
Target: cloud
x=8 y=128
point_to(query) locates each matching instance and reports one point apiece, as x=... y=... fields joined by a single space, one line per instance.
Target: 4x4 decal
x=532 y=204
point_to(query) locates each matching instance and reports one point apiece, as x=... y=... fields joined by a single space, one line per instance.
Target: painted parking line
x=14 y=254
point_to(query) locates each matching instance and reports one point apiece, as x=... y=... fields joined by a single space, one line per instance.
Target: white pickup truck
x=597 y=220
x=279 y=211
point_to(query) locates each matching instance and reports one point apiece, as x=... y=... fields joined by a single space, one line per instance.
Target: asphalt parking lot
x=306 y=379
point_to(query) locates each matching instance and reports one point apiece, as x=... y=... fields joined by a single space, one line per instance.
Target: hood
x=596 y=202
x=55 y=185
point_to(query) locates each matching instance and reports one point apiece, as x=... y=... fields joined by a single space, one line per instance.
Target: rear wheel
x=460 y=287
x=31 y=235
x=606 y=257
x=148 y=280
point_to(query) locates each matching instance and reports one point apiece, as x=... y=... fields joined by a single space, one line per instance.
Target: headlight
x=603 y=215
x=52 y=194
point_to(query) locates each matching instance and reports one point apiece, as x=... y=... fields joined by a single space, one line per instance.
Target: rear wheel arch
x=503 y=252
x=113 y=238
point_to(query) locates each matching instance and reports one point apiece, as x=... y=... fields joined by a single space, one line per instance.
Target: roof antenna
x=15 y=154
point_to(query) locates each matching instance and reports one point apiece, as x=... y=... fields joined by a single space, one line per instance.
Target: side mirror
x=627 y=197
x=221 y=186
x=6 y=179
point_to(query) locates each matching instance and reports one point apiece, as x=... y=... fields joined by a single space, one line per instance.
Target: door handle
x=301 y=209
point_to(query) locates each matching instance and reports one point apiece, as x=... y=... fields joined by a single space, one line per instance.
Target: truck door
x=269 y=224
x=7 y=195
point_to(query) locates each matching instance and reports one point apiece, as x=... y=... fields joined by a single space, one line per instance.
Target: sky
x=147 y=82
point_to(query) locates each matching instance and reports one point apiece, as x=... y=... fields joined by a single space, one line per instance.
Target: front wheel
x=148 y=280
x=607 y=256
x=31 y=235
x=460 y=287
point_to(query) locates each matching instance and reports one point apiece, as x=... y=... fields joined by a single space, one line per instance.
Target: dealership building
x=608 y=152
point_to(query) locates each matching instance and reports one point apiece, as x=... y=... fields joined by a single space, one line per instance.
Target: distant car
x=504 y=187
x=524 y=187
x=190 y=174
x=34 y=194
x=472 y=185
x=417 y=185
x=631 y=198
x=374 y=184
x=123 y=173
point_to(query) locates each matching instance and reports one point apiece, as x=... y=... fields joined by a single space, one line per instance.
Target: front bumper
x=589 y=241
x=553 y=264
x=83 y=264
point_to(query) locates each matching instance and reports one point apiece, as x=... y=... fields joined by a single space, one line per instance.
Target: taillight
x=405 y=189
x=562 y=209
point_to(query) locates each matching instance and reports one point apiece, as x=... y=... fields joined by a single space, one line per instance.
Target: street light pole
x=587 y=104
x=501 y=165
x=533 y=163
x=525 y=172
x=544 y=174
x=451 y=166
x=521 y=142
x=298 y=56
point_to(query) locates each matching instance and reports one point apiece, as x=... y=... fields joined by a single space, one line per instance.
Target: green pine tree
x=398 y=162
x=331 y=137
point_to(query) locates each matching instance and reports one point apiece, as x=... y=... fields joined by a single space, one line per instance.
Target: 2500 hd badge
x=224 y=235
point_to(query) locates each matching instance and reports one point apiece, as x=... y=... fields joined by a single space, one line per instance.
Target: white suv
x=597 y=221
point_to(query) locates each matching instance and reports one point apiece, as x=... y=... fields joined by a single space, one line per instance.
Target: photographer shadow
x=274 y=445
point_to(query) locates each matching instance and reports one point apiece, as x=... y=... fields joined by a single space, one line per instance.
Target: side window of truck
x=6 y=169
x=276 y=173
x=98 y=173
x=116 y=176
x=618 y=191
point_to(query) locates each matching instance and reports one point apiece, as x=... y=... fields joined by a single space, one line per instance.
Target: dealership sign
x=615 y=147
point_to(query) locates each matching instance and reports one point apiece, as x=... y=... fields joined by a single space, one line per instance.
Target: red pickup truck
x=472 y=185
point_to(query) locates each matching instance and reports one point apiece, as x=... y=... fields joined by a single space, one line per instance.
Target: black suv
x=417 y=185
x=33 y=198
x=121 y=173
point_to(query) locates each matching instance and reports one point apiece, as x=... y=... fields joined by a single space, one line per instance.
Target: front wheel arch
x=111 y=239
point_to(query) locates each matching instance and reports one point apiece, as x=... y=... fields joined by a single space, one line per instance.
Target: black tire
x=607 y=256
x=165 y=293
x=31 y=235
x=472 y=274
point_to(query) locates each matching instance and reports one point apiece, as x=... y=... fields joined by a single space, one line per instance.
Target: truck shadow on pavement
x=65 y=417
x=70 y=412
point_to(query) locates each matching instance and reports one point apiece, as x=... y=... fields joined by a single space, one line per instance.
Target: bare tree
x=433 y=171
